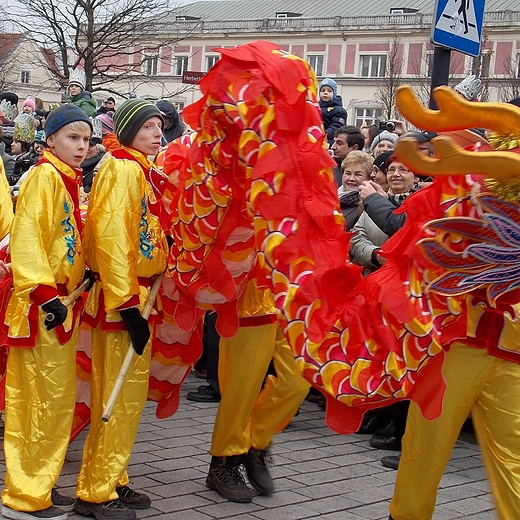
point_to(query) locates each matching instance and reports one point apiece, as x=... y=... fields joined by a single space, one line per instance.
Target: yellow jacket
x=46 y=252
x=123 y=241
x=6 y=203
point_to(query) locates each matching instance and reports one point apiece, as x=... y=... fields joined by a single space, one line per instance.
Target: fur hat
x=130 y=116
x=77 y=77
x=62 y=116
x=383 y=136
x=327 y=82
x=31 y=103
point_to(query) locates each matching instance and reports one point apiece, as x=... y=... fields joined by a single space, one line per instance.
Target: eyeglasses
x=108 y=102
x=399 y=170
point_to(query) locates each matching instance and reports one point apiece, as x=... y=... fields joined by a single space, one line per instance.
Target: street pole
x=440 y=71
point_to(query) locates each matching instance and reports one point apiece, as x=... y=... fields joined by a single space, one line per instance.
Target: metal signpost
x=457 y=25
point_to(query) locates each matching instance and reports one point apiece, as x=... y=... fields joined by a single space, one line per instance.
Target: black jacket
x=333 y=115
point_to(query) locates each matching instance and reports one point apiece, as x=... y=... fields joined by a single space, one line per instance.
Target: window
x=181 y=64
x=150 y=65
x=25 y=76
x=364 y=115
x=518 y=65
x=210 y=61
x=373 y=66
x=316 y=62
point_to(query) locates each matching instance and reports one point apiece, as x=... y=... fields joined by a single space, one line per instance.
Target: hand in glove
x=58 y=312
x=137 y=327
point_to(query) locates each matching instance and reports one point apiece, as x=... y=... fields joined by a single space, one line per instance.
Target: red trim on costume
x=257 y=321
x=42 y=294
x=118 y=326
x=72 y=187
x=159 y=182
x=132 y=302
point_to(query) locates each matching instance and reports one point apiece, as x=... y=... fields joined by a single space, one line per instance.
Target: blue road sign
x=457 y=25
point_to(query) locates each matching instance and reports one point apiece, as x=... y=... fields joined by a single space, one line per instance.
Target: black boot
x=257 y=473
x=225 y=478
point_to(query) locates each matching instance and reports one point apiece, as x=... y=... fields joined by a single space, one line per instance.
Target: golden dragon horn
x=451 y=159
x=455 y=113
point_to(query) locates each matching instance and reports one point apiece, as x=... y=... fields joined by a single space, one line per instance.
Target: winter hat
x=62 y=116
x=107 y=124
x=421 y=137
x=9 y=96
x=29 y=102
x=39 y=137
x=383 y=136
x=380 y=160
x=129 y=117
x=327 y=82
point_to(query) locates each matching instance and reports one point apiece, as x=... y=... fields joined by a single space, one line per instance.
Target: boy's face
x=74 y=90
x=326 y=93
x=16 y=147
x=147 y=140
x=70 y=145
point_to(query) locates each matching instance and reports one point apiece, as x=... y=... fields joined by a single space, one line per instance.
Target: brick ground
x=318 y=474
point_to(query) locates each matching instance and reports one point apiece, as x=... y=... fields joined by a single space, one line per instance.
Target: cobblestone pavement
x=318 y=474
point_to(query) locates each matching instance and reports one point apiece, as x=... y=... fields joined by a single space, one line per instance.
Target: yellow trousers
x=487 y=387
x=109 y=445
x=249 y=415
x=40 y=400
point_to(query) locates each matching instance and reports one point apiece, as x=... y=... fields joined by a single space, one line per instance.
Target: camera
x=389 y=126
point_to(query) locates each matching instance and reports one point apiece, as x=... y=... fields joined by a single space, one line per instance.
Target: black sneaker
x=51 y=513
x=132 y=499
x=225 y=478
x=257 y=472
x=65 y=503
x=111 y=510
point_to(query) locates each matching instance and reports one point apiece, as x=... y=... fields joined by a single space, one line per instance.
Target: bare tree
x=510 y=84
x=99 y=35
x=387 y=85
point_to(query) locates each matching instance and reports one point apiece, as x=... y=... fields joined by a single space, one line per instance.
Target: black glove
x=58 y=311
x=169 y=239
x=89 y=275
x=137 y=327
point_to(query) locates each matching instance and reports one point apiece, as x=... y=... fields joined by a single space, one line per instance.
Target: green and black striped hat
x=130 y=116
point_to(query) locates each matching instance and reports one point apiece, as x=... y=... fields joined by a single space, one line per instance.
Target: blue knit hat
x=62 y=116
x=327 y=82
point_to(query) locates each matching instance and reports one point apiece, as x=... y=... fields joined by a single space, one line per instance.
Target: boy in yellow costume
x=248 y=415
x=126 y=249
x=47 y=263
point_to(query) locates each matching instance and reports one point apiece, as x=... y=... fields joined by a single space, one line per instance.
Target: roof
x=259 y=9
x=8 y=43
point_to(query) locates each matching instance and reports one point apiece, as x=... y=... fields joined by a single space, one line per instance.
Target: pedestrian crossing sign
x=457 y=25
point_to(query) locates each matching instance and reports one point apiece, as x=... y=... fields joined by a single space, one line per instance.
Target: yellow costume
x=248 y=416
x=126 y=248
x=6 y=204
x=47 y=261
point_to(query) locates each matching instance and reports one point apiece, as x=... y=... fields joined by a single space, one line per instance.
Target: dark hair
x=110 y=98
x=373 y=130
x=354 y=135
